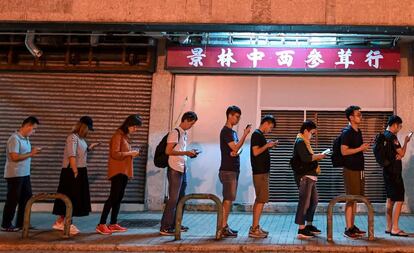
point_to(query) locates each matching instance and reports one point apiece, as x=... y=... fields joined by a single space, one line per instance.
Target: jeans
x=177 y=183
x=19 y=191
x=308 y=200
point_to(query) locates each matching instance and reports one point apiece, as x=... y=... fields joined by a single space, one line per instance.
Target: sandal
x=399 y=233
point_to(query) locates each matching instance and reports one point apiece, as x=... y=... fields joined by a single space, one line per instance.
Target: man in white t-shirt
x=176 y=174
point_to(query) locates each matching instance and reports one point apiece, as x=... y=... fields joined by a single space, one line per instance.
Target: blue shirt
x=20 y=145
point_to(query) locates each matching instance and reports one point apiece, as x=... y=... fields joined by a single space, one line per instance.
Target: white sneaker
x=58 y=226
x=74 y=230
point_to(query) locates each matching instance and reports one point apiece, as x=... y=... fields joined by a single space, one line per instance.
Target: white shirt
x=177 y=163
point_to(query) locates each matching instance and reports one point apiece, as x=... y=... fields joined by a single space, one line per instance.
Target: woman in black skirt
x=73 y=180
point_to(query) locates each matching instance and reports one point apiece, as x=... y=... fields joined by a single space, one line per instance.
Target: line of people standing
x=74 y=179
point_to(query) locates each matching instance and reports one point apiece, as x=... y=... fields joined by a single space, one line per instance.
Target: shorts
x=229 y=180
x=261 y=187
x=394 y=186
x=354 y=182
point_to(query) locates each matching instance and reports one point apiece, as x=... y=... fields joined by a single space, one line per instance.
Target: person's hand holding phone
x=272 y=143
x=408 y=137
x=364 y=147
x=191 y=153
x=93 y=145
x=247 y=129
x=134 y=153
x=35 y=151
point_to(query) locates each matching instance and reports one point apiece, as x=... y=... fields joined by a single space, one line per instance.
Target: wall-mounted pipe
x=29 y=42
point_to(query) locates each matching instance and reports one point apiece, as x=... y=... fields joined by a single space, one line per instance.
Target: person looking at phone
x=306 y=168
x=230 y=163
x=394 y=184
x=260 y=161
x=19 y=153
x=120 y=170
x=73 y=181
x=177 y=171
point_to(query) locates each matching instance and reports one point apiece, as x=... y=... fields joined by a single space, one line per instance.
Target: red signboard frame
x=277 y=59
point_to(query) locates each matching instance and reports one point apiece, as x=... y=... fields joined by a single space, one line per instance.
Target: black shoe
x=228 y=232
x=184 y=229
x=358 y=231
x=305 y=234
x=350 y=233
x=169 y=231
x=314 y=230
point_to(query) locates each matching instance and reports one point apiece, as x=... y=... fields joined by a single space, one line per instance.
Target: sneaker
x=228 y=232
x=74 y=230
x=184 y=229
x=359 y=231
x=350 y=233
x=256 y=233
x=263 y=231
x=103 y=229
x=10 y=229
x=314 y=230
x=305 y=234
x=169 y=231
x=58 y=225
x=116 y=228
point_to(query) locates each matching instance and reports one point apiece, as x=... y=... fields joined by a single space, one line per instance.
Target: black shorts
x=394 y=185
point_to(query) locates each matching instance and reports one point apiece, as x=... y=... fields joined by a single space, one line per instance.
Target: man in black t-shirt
x=394 y=184
x=230 y=148
x=260 y=160
x=352 y=149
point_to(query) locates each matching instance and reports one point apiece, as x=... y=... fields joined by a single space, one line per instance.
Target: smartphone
x=411 y=134
x=326 y=151
x=248 y=125
x=198 y=151
x=240 y=151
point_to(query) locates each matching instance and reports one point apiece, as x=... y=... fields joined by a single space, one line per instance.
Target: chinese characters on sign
x=266 y=58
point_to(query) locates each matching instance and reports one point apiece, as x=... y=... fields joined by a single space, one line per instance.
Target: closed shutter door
x=330 y=181
x=282 y=186
x=58 y=100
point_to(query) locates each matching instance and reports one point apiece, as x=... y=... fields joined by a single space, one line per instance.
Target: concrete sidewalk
x=143 y=235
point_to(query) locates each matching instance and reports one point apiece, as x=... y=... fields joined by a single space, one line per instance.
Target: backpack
x=336 y=157
x=382 y=150
x=160 y=157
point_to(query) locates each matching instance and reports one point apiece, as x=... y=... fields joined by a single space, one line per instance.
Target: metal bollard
x=180 y=208
x=346 y=198
x=44 y=196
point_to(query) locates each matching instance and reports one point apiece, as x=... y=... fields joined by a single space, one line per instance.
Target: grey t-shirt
x=75 y=147
x=20 y=145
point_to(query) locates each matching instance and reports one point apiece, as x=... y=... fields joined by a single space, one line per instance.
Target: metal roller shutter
x=58 y=100
x=330 y=182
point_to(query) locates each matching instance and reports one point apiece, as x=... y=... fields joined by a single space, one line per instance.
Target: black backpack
x=160 y=157
x=382 y=150
x=336 y=157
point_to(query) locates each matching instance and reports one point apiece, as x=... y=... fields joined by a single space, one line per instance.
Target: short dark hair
x=131 y=120
x=394 y=119
x=189 y=116
x=232 y=110
x=350 y=111
x=307 y=125
x=31 y=120
x=269 y=119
